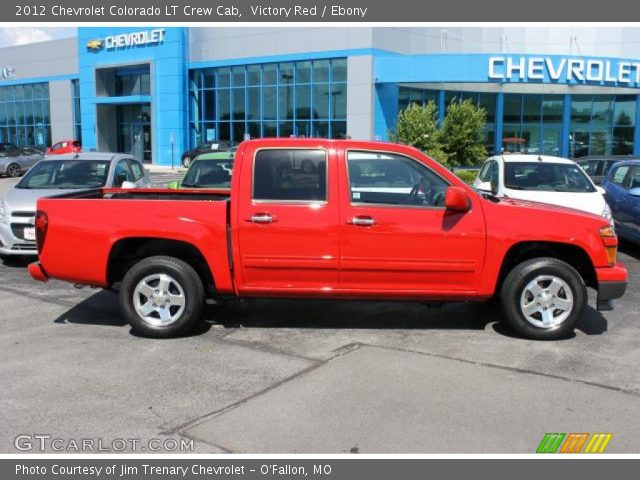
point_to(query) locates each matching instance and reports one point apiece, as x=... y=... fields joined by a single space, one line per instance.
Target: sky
x=10 y=36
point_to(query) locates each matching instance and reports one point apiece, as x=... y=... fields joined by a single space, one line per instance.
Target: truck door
x=287 y=223
x=396 y=234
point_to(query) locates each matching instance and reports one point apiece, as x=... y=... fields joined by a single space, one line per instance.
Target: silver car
x=55 y=176
x=14 y=163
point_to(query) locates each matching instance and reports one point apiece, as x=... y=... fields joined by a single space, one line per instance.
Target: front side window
x=484 y=174
x=290 y=175
x=136 y=169
x=634 y=178
x=121 y=173
x=619 y=175
x=590 y=167
x=389 y=179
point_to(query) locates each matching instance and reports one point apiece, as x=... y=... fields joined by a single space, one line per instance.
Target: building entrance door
x=141 y=141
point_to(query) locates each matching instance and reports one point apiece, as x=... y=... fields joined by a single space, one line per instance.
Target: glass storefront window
x=24 y=114
x=602 y=125
x=276 y=99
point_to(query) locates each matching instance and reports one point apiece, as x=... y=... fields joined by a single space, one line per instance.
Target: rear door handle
x=361 y=221
x=261 y=218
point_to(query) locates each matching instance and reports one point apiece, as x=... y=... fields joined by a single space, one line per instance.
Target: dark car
x=622 y=187
x=205 y=147
x=598 y=167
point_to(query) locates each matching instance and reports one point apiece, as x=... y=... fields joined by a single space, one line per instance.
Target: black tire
x=13 y=170
x=186 y=161
x=187 y=279
x=515 y=284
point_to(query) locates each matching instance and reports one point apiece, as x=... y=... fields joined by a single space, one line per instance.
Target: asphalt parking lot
x=313 y=376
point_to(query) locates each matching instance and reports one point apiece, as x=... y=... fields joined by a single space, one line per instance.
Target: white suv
x=544 y=179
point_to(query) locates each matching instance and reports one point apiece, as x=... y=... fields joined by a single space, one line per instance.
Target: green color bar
x=550 y=443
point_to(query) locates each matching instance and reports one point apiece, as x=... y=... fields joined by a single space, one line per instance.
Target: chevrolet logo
x=94 y=44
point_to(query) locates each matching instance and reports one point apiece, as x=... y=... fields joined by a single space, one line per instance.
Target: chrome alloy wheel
x=159 y=299
x=546 y=301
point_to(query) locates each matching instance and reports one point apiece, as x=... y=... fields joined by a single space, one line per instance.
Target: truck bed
x=86 y=226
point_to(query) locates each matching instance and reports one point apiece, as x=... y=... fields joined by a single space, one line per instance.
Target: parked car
x=66 y=146
x=622 y=187
x=220 y=146
x=58 y=175
x=15 y=162
x=8 y=148
x=542 y=178
x=345 y=226
x=598 y=167
x=207 y=170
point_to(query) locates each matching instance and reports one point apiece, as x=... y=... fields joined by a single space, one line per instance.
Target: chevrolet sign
x=564 y=70
x=94 y=44
x=126 y=40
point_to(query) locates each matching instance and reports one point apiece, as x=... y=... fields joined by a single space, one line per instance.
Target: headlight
x=606 y=213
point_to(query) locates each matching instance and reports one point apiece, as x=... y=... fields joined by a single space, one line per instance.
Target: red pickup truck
x=313 y=218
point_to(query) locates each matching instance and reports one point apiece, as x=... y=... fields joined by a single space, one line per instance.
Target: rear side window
x=619 y=175
x=290 y=175
x=590 y=167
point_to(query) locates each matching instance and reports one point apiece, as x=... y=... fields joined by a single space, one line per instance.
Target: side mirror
x=600 y=190
x=635 y=192
x=457 y=200
x=127 y=184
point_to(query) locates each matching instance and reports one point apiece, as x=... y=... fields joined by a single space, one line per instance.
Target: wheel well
x=571 y=254
x=125 y=253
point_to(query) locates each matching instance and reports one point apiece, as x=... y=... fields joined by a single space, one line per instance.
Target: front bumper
x=10 y=244
x=612 y=283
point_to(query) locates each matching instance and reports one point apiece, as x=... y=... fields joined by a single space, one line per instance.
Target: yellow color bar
x=598 y=443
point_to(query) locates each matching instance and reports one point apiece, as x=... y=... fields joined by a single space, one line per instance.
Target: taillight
x=42 y=222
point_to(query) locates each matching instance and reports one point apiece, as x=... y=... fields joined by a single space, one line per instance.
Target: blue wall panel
x=168 y=62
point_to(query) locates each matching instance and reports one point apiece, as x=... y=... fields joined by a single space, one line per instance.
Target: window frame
x=256 y=201
x=388 y=205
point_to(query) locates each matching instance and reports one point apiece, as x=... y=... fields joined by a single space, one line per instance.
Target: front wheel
x=162 y=297
x=543 y=298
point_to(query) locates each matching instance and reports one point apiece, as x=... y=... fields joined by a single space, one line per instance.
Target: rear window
x=290 y=175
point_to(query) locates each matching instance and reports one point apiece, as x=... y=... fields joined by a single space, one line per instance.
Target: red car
x=312 y=218
x=65 y=146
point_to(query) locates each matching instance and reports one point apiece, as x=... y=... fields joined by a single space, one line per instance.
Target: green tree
x=462 y=133
x=417 y=126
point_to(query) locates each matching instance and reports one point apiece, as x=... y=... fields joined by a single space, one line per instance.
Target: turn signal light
x=41 y=223
x=608 y=231
x=608 y=235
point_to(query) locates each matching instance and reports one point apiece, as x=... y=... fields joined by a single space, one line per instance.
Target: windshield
x=546 y=177
x=66 y=174
x=215 y=173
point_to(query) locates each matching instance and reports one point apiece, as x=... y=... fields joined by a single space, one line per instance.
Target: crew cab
x=339 y=219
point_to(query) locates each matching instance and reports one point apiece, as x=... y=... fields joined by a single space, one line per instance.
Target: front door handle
x=261 y=218
x=361 y=221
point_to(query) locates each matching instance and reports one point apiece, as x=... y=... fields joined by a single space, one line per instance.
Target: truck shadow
x=630 y=249
x=102 y=309
x=327 y=314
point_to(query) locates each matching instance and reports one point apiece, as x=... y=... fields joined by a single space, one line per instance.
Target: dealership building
x=156 y=92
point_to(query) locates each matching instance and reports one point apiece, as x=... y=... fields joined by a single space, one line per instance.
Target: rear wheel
x=543 y=298
x=14 y=170
x=162 y=297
